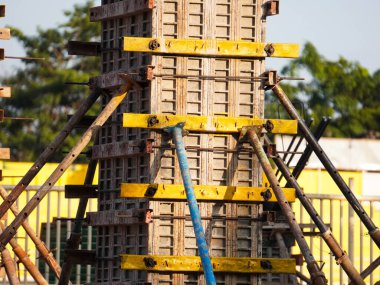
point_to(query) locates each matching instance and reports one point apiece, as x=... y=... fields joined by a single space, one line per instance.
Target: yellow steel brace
x=203 y=192
x=220 y=264
x=211 y=48
x=205 y=124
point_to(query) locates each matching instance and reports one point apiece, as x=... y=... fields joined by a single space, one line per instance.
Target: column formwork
x=232 y=229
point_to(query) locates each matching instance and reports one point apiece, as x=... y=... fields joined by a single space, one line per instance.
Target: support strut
x=10 y=231
x=45 y=253
x=25 y=260
x=10 y=267
x=374 y=231
x=176 y=132
x=48 y=152
x=341 y=256
x=75 y=238
x=317 y=276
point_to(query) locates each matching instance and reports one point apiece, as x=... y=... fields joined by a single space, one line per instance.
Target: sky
x=336 y=27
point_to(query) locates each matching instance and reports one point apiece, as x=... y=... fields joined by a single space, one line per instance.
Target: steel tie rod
x=340 y=255
x=10 y=231
x=48 y=152
x=317 y=276
x=177 y=132
x=374 y=231
x=76 y=235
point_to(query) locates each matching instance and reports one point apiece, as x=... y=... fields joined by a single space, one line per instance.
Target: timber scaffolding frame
x=178 y=128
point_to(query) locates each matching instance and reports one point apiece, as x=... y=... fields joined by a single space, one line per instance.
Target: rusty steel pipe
x=10 y=231
x=24 y=259
x=366 y=272
x=45 y=253
x=317 y=276
x=48 y=152
x=373 y=230
x=340 y=255
x=284 y=253
x=10 y=267
x=75 y=237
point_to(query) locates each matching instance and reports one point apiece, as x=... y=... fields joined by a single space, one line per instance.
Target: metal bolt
x=149 y=262
x=269 y=49
x=154 y=44
x=152 y=120
x=267 y=194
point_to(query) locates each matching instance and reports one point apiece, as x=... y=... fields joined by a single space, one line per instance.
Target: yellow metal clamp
x=206 y=124
x=211 y=48
x=220 y=264
x=203 y=192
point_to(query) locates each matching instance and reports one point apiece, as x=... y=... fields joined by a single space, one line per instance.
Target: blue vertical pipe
x=176 y=132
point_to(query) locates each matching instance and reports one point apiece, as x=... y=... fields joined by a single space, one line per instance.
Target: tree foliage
x=38 y=87
x=342 y=90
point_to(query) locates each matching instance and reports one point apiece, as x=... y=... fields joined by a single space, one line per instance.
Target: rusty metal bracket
x=81 y=191
x=271 y=8
x=146 y=73
x=272 y=78
x=122 y=149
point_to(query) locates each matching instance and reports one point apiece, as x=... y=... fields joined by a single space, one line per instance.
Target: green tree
x=38 y=87
x=342 y=90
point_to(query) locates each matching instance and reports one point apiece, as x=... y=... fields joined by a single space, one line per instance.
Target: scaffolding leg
x=48 y=152
x=45 y=253
x=176 y=132
x=75 y=237
x=10 y=267
x=366 y=272
x=25 y=260
x=340 y=255
x=308 y=150
x=317 y=276
x=372 y=229
x=10 y=231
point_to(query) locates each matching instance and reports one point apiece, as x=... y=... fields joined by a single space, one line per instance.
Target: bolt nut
x=154 y=44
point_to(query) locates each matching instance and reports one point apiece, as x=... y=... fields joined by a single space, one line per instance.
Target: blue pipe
x=176 y=132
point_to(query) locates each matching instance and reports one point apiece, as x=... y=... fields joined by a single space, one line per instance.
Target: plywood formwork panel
x=232 y=229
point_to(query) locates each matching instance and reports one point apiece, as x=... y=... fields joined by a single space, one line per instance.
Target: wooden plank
x=5 y=153
x=203 y=192
x=205 y=124
x=211 y=48
x=5 y=34
x=5 y=92
x=220 y=264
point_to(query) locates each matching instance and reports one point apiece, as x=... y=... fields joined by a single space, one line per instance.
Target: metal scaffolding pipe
x=75 y=237
x=176 y=132
x=45 y=253
x=48 y=152
x=317 y=276
x=10 y=267
x=24 y=259
x=340 y=255
x=346 y=191
x=10 y=231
